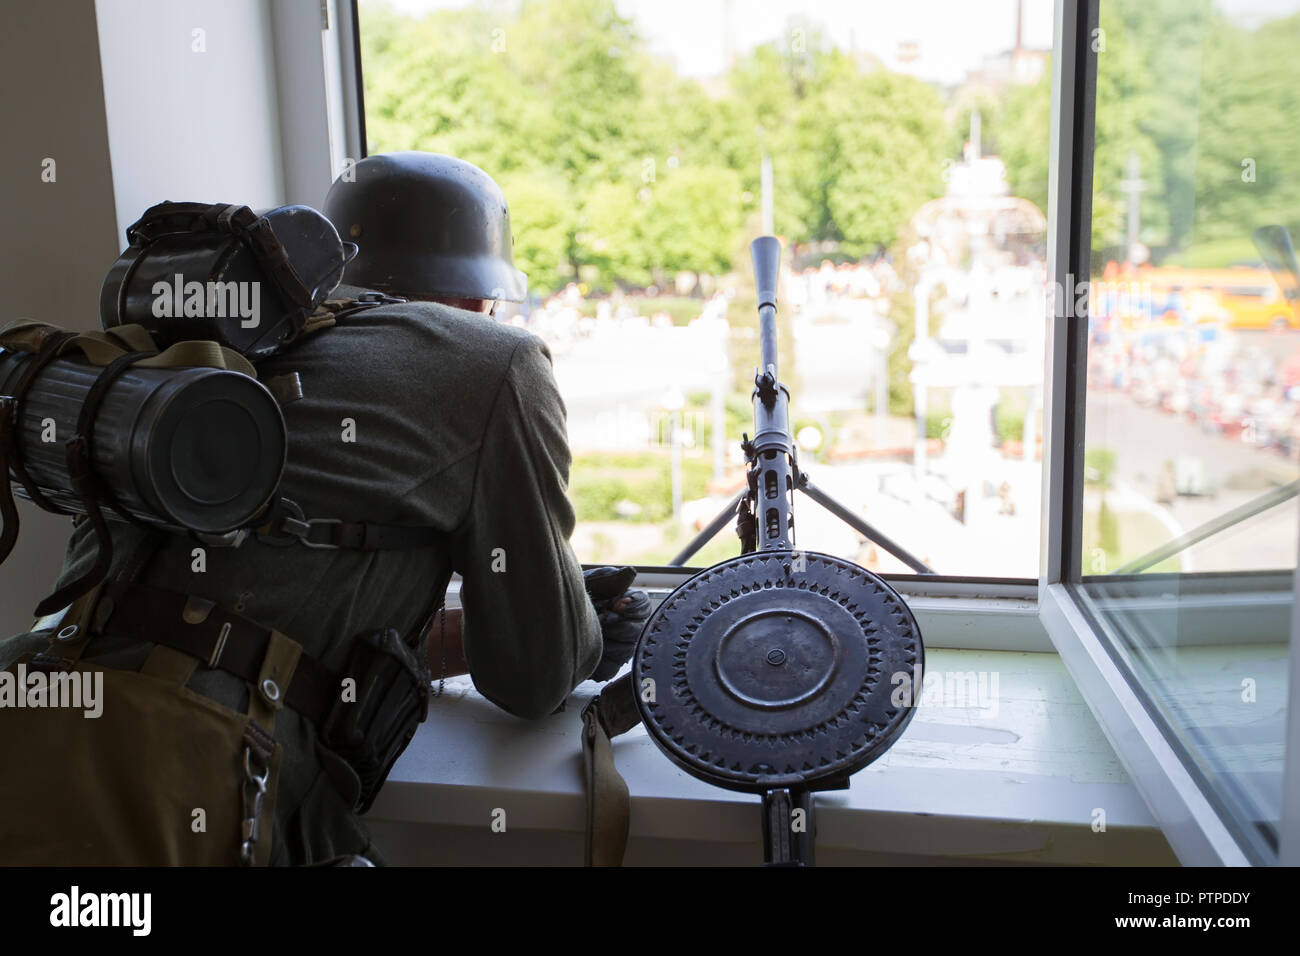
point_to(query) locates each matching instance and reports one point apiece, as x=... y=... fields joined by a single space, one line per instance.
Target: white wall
x=135 y=108
x=186 y=124
x=309 y=74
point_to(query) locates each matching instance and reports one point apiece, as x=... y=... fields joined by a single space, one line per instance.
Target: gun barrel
x=773 y=444
x=766 y=251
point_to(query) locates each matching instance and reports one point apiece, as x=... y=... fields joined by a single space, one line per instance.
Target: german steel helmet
x=426 y=225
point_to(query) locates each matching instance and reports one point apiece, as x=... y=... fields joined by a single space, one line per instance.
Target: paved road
x=1144 y=438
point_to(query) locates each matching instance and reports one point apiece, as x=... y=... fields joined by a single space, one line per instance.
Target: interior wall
x=136 y=102
x=307 y=64
x=190 y=89
x=61 y=227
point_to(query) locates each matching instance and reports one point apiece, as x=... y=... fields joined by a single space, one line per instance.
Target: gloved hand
x=621 y=612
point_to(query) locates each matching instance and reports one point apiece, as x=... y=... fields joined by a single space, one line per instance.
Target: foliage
x=1196 y=100
x=618 y=171
x=1108 y=534
x=1099 y=466
x=938 y=422
x=599 y=482
x=1010 y=422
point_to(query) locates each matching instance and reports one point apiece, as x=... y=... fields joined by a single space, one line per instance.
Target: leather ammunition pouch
x=384 y=697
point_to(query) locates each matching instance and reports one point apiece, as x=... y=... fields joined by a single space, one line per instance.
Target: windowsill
x=962 y=785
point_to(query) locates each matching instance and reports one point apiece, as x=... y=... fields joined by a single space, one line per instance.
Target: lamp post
x=718 y=407
x=674 y=401
x=880 y=339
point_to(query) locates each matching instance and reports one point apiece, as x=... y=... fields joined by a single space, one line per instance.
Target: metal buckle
x=249 y=826
x=257 y=780
x=294 y=527
x=276 y=538
x=220 y=647
x=317 y=545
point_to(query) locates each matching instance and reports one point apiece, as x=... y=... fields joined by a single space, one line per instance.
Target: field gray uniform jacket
x=458 y=424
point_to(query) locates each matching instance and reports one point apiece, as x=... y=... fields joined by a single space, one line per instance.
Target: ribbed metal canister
x=195 y=448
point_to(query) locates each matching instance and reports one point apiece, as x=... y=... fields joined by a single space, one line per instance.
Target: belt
x=221 y=639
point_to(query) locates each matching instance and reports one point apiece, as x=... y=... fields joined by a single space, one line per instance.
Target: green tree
x=854 y=153
x=1209 y=109
x=1020 y=124
x=543 y=218
x=620 y=171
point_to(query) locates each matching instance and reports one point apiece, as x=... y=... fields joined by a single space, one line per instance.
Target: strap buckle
x=293 y=527
x=312 y=523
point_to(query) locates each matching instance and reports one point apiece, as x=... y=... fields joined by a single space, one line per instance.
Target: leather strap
x=8 y=507
x=285 y=524
x=66 y=645
x=91 y=491
x=238 y=221
x=221 y=639
x=276 y=673
x=610 y=713
x=49 y=343
x=367 y=536
x=100 y=348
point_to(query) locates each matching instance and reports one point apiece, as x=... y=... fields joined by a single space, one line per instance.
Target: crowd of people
x=1244 y=385
x=827 y=282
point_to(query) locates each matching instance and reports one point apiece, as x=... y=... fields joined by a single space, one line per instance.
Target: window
x=943 y=178
x=1192 y=458
x=901 y=153
x=1177 y=540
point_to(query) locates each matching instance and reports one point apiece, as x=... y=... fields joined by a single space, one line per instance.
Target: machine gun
x=764 y=511
x=778 y=672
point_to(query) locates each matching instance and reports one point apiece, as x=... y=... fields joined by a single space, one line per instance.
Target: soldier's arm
x=530 y=632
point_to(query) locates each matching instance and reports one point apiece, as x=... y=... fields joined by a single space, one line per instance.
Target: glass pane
x=1190 y=517
x=899 y=150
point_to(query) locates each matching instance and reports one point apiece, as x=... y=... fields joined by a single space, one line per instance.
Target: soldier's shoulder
x=465 y=328
x=406 y=330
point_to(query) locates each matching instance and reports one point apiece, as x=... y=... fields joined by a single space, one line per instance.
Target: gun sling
x=610 y=713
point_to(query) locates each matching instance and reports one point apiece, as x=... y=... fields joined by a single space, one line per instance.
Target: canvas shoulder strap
x=610 y=713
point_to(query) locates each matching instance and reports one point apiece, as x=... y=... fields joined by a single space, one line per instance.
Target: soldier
x=429 y=439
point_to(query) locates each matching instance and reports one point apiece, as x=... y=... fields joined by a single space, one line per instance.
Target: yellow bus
x=1248 y=297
